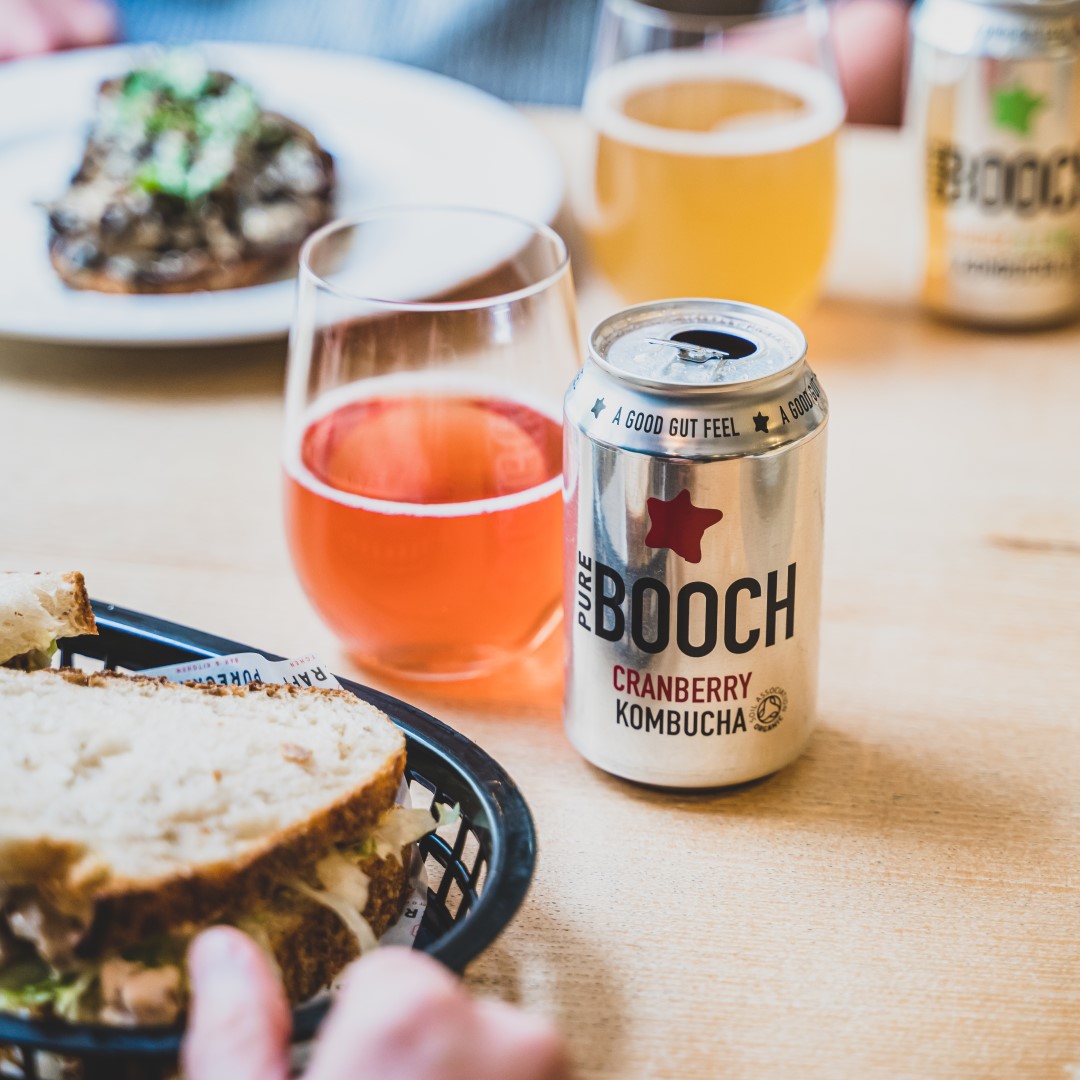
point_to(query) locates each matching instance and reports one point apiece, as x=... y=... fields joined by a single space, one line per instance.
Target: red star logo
x=679 y=525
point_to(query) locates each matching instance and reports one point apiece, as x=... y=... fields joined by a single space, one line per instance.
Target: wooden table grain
x=902 y=902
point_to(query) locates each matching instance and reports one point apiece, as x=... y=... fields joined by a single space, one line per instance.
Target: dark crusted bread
x=135 y=806
x=237 y=274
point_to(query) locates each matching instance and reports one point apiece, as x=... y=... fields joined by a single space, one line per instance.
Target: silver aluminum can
x=694 y=471
x=994 y=106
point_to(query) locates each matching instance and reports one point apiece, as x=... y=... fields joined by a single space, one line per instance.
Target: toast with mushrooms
x=187 y=184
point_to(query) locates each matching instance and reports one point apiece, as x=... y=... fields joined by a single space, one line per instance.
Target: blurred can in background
x=994 y=100
x=693 y=473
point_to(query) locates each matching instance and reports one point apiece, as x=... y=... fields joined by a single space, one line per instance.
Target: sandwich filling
x=42 y=972
x=33 y=659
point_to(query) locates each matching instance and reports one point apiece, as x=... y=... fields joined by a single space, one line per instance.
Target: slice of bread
x=139 y=805
x=36 y=609
x=238 y=274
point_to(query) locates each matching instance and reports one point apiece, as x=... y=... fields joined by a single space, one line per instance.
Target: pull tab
x=692 y=354
x=703 y=346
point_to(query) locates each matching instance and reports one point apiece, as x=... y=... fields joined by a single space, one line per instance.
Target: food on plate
x=187 y=184
x=35 y=610
x=135 y=811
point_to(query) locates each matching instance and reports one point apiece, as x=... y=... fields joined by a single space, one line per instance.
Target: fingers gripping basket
x=477 y=876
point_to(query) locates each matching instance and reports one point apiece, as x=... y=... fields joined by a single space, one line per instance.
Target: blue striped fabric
x=521 y=50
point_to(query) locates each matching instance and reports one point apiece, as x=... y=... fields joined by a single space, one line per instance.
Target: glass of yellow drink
x=713 y=171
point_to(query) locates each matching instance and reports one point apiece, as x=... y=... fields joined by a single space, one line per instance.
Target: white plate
x=398 y=135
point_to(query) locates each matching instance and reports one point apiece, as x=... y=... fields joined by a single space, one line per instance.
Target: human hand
x=30 y=27
x=399 y=1016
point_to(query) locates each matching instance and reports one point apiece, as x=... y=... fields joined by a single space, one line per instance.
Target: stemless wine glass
x=714 y=164
x=423 y=449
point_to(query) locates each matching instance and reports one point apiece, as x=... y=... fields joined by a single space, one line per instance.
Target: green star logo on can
x=1015 y=107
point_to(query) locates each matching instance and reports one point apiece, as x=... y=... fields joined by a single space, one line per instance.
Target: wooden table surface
x=902 y=902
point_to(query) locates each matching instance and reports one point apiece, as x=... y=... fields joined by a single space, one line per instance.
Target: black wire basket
x=478 y=871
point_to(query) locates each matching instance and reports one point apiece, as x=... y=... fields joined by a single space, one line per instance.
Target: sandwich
x=134 y=812
x=36 y=610
x=186 y=183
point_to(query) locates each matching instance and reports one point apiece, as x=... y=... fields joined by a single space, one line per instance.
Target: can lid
x=696 y=344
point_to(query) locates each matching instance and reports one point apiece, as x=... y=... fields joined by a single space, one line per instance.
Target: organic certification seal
x=769 y=710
